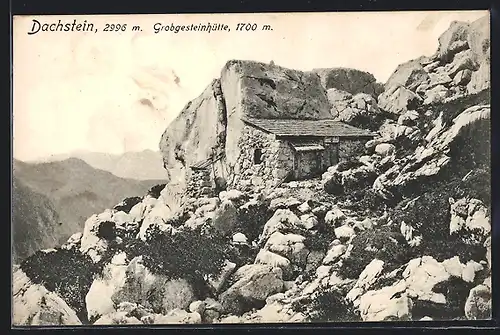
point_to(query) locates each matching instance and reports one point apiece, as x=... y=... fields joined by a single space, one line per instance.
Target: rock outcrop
x=34 y=305
x=351 y=81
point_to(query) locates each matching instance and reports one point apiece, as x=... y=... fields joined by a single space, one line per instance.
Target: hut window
x=257 y=156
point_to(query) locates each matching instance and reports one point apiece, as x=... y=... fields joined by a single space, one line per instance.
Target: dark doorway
x=308 y=164
x=257 y=156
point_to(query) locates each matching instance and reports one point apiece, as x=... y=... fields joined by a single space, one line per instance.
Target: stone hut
x=278 y=150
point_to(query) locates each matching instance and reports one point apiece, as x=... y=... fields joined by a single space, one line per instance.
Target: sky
x=117 y=91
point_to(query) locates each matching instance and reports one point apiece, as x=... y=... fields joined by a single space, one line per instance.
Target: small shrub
x=331 y=306
x=155 y=191
x=65 y=272
x=367 y=201
x=127 y=204
x=348 y=164
x=251 y=219
x=188 y=254
x=320 y=240
x=107 y=230
x=456 y=292
x=384 y=244
x=430 y=216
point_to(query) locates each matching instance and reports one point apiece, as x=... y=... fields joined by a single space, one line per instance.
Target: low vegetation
x=65 y=272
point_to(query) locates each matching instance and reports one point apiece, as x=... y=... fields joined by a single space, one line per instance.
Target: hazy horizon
x=76 y=152
x=117 y=92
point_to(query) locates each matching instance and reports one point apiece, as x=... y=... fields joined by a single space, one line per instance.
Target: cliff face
x=195 y=133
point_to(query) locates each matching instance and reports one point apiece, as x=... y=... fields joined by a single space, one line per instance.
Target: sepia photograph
x=251 y=168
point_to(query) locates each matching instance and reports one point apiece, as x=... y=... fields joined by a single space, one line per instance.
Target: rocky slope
x=402 y=232
x=51 y=201
x=35 y=221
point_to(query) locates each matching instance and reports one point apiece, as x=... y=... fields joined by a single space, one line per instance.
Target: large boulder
x=273 y=259
x=272 y=91
x=470 y=219
x=387 y=304
x=478 y=304
x=34 y=305
x=338 y=181
x=135 y=283
x=421 y=275
x=398 y=99
x=99 y=233
x=282 y=220
x=453 y=40
x=99 y=300
x=290 y=246
x=225 y=218
x=463 y=60
x=409 y=75
x=479 y=39
x=358 y=110
x=349 y=80
x=252 y=284
x=367 y=277
x=423 y=283
x=429 y=160
x=155 y=217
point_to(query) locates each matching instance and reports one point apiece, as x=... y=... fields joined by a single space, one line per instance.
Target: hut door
x=331 y=151
x=309 y=164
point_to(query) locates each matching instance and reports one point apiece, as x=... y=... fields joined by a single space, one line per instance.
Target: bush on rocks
x=155 y=191
x=320 y=239
x=65 y=272
x=191 y=254
x=127 y=204
x=456 y=292
x=252 y=218
x=430 y=216
x=384 y=244
x=368 y=201
x=330 y=306
x=349 y=164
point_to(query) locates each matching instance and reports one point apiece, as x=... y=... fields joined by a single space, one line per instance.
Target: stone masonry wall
x=199 y=183
x=349 y=148
x=277 y=160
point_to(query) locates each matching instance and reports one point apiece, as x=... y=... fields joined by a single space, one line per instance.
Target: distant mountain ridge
x=52 y=200
x=140 y=165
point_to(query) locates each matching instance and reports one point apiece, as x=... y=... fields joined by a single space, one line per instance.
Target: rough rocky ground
x=400 y=233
